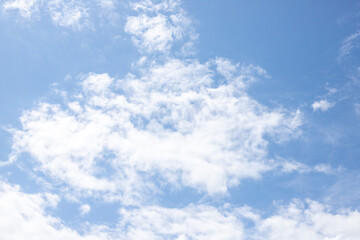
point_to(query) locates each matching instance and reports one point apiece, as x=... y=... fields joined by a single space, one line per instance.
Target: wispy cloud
x=64 y=13
x=187 y=123
x=26 y=8
x=345 y=191
x=348 y=45
x=322 y=105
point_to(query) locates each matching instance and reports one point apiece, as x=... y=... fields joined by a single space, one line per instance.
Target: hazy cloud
x=322 y=105
x=26 y=8
x=65 y=13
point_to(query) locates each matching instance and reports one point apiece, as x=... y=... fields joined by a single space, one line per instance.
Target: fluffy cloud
x=158 y=26
x=307 y=220
x=322 y=105
x=68 y=13
x=24 y=217
x=188 y=123
x=176 y=123
x=298 y=220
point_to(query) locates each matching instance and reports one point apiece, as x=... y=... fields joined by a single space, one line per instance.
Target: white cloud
x=24 y=217
x=68 y=13
x=308 y=220
x=26 y=8
x=193 y=222
x=159 y=25
x=107 y=4
x=327 y=169
x=156 y=6
x=290 y=166
x=230 y=71
x=85 y=209
x=97 y=83
x=177 y=121
x=27 y=218
x=152 y=33
x=322 y=105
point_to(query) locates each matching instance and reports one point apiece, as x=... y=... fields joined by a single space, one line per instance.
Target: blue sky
x=186 y=120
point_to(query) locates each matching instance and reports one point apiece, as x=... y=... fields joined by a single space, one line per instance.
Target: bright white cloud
x=183 y=121
x=27 y=218
x=68 y=13
x=24 y=217
x=308 y=220
x=153 y=33
x=322 y=105
x=186 y=123
x=297 y=221
x=159 y=25
x=290 y=166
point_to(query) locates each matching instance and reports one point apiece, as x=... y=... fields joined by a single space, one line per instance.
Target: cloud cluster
x=68 y=13
x=187 y=123
x=298 y=220
x=173 y=123
x=308 y=220
x=26 y=217
x=193 y=222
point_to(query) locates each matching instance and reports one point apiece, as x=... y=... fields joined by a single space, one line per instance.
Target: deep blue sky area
x=297 y=42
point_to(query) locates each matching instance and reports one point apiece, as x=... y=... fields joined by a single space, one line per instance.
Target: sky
x=179 y=120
